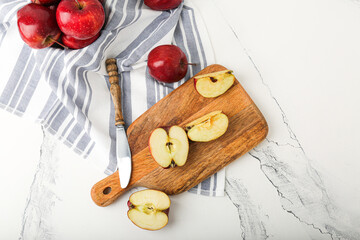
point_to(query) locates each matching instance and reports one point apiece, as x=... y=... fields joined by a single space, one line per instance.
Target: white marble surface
x=299 y=61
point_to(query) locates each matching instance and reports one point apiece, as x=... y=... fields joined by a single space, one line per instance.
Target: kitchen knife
x=123 y=154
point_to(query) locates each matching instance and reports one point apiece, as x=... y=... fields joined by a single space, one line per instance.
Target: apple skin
x=82 y=21
x=167 y=63
x=37 y=26
x=74 y=43
x=162 y=5
x=46 y=2
x=130 y=205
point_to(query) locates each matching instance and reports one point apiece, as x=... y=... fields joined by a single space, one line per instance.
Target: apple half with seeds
x=169 y=148
x=149 y=209
x=208 y=127
x=214 y=84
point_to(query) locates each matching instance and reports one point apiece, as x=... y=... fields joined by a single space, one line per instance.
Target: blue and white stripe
x=67 y=91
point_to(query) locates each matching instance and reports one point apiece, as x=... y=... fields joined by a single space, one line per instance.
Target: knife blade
x=123 y=156
x=123 y=153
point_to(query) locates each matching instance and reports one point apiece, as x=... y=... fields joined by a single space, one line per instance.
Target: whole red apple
x=167 y=63
x=37 y=26
x=80 y=19
x=162 y=4
x=74 y=43
x=46 y=2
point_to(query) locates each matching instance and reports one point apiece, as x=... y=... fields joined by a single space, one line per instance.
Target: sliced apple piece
x=214 y=84
x=149 y=209
x=208 y=127
x=169 y=149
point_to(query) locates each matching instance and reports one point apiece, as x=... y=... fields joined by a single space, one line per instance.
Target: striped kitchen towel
x=67 y=91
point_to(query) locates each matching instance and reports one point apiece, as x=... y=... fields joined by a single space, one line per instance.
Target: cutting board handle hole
x=107 y=191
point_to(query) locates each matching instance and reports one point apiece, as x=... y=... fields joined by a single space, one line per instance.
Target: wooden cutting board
x=247 y=128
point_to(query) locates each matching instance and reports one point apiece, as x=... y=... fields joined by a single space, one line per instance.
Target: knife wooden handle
x=115 y=90
x=106 y=191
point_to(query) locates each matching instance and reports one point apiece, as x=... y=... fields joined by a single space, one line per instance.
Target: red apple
x=46 y=2
x=74 y=43
x=37 y=26
x=80 y=19
x=167 y=63
x=162 y=4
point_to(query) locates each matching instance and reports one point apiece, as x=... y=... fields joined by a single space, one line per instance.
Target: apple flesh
x=169 y=149
x=37 y=26
x=167 y=63
x=214 y=84
x=74 y=43
x=149 y=209
x=208 y=127
x=162 y=5
x=80 y=19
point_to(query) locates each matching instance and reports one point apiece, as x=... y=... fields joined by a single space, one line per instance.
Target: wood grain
x=247 y=128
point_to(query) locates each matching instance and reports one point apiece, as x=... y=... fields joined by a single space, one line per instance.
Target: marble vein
x=298 y=183
x=251 y=223
x=37 y=216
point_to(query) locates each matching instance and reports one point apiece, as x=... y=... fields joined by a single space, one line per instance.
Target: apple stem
x=173 y=164
x=65 y=47
x=80 y=7
x=192 y=64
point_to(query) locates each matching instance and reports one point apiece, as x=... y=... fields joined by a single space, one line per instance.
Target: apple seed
x=213 y=79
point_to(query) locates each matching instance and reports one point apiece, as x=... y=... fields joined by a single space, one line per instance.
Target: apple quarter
x=214 y=84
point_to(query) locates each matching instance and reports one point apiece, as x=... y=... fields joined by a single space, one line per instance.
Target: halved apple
x=208 y=127
x=149 y=209
x=169 y=149
x=214 y=84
